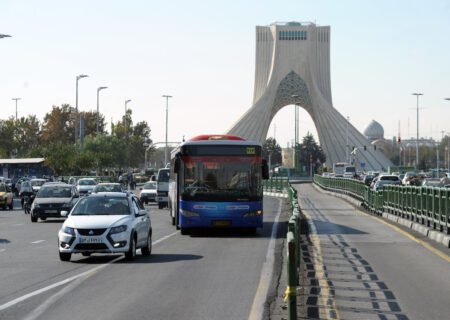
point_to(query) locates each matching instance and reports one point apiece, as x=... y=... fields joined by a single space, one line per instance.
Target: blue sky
x=202 y=53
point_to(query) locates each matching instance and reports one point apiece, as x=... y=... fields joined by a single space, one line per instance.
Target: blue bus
x=216 y=181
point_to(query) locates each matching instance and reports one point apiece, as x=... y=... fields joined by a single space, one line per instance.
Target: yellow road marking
x=410 y=236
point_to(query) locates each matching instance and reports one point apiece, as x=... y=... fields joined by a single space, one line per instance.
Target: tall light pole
x=417 y=138
x=98 y=114
x=347 y=156
x=166 y=156
x=16 y=99
x=4 y=36
x=125 y=118
x=448 y=148
x=296 y=129
x=81 y=76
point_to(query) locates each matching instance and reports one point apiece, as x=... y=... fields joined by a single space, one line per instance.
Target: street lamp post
x=296 y=130
x=125 y=118
x=16 y=99
x=81 y=76
x=167 y=124
x=98 y=114
x=347 y=156
x=417 y=137
x=448 y=147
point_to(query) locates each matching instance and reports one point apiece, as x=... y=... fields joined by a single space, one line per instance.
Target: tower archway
x=292 y=59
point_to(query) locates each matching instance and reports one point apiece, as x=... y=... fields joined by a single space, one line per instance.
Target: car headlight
x=189 y=214
x=69 y=230
x=118 y=229
x=253 y=214
x=35 y=205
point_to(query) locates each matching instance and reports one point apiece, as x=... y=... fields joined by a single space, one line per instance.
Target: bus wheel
x=184 y=231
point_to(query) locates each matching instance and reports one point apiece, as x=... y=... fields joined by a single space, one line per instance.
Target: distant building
x=374 y=131
x=13 y=168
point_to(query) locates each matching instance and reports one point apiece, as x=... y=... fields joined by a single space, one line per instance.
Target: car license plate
x=51 y=211
x=221 y=223
x=90 y=240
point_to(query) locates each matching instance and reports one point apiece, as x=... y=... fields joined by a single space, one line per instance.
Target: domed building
x=374 y=131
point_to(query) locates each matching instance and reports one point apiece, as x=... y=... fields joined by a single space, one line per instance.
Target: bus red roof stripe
x=216 y=137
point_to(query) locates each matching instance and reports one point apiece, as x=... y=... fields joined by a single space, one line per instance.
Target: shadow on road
x=326 y=227
x=265 y=232
x=163 y=258
x=4 y=241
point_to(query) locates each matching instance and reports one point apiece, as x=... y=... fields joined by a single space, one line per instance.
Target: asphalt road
x=209 y=275
x=359 y=267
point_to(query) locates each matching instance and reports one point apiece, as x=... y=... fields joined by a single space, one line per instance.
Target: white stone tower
x=293 y=59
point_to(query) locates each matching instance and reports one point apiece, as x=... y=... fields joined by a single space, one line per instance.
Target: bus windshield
x=221 y=178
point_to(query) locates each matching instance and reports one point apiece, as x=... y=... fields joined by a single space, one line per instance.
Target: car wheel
x=173 y=221
x=65 y=256
x=131 y=253
x=147 y=250
x=160 y=205
x=33 y=218
x=43 y=218
x=184 y=231
x=11 y=206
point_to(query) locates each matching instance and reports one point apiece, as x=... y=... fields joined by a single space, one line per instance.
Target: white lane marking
x=18 y=224
x=257 y=310
x=37 y=241
x=62 y=282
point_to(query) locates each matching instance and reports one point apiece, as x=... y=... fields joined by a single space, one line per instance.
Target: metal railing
x=429 y=206
x=293 y=254
x=276 y=184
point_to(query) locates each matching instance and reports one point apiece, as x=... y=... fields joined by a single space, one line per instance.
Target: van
x=162 y=187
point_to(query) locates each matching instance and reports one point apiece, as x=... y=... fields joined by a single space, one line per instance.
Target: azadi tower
x=293 y=67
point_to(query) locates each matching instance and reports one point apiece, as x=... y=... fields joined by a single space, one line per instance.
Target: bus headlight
x=189 y=214
x=253 y=214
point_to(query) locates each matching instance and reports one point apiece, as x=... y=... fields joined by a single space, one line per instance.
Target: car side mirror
x=64 y=213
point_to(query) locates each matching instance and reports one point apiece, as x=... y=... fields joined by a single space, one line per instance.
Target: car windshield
x=108 y=188
x=88 y=182
x=389 y=178
x=37 y=183
x=54 y=192
x=102 y=206
x=149 y=186
x=163 y=176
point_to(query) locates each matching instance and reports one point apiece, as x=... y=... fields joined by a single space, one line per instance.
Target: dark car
x=53 y=198
x=368 y=179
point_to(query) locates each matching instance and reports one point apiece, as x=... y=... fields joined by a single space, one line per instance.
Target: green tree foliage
x=108 y=151
x=26 y=136
x=310 y=151
x=90 y=123
x=61 y=157
x=272 y=148
x=7 y=141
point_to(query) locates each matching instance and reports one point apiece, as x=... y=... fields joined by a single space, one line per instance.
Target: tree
x=310 y=152
x=27 y=134
x=59 y=125
x=90 y=123
x=61 y=157
x=272 y=149
x=7 y=142
x=108 y=151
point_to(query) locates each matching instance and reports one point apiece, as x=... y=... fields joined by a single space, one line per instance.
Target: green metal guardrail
x=429 y=206
x=276 y=184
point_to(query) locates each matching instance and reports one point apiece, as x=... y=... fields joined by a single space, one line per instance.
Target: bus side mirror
x=176 y=166
x=265 y=170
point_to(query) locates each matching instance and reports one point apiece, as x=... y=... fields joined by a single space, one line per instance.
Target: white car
x=36 y=184
x=85 y=186
x=106 y=222
x=148 y=192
